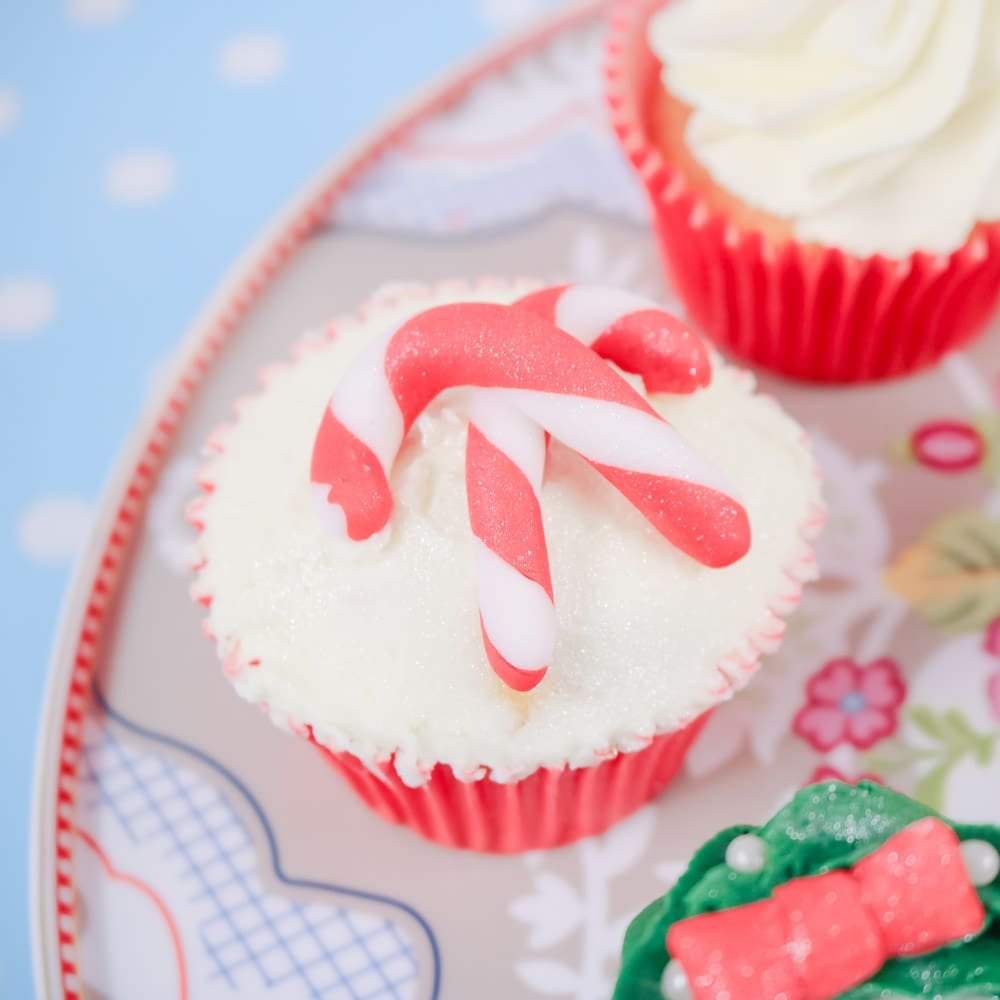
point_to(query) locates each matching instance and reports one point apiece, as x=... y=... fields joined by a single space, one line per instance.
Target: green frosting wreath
x=827 y=826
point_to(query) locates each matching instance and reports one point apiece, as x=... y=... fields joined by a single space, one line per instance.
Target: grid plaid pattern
x=253 y=937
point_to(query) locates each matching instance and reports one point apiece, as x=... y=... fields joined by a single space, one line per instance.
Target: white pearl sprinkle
x=982 y=861
x=746 y=853
x=674 y=982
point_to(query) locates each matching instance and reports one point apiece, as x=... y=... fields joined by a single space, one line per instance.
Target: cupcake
x=849 y=892
x=824 y=179
x=498 y=561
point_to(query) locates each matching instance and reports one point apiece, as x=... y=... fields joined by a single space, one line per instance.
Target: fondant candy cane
x=505 y=458
x=504 y=463
x=632 y=331
x=559 y=384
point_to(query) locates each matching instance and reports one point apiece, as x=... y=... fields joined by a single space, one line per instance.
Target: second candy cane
x=505 y=460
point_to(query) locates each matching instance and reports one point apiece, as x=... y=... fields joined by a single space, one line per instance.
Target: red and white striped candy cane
x=630 y=330
x=504 y=463
x=505 y=458
x=552 y=378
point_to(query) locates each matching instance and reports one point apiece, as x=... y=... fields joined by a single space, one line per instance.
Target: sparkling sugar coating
x=826 y=828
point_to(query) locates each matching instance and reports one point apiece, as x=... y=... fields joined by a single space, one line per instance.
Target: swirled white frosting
x=873 y=125
x=378 y=648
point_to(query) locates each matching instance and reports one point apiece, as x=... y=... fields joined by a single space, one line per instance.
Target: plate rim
x=92 y=584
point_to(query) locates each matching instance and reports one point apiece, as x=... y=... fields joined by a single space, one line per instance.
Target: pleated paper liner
x=542 y=806
x=548 y=808
x=803 y=310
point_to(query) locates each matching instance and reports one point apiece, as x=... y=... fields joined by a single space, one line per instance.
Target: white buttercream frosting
x=873 y=125
x=377 y=646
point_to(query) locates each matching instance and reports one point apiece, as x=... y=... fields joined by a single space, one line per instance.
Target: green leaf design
x=891 y=756
x=988 y=425
x=952 y=575
x=951 y=737
x=930 y=789
x=901 y=451
x=925 y=719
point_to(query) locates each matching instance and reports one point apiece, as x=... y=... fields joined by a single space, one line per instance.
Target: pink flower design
x=848 y=702
x=826 y=773
x=948 y=445
x=993 y=693
x=991 y=639
x=991 y=643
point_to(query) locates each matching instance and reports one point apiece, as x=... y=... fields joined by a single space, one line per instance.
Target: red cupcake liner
x=803 y=310
x=549 y=808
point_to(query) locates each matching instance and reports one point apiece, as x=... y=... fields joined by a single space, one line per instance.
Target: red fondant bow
x=821 y=935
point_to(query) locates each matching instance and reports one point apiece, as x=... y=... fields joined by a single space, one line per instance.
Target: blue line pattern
x=253 y=937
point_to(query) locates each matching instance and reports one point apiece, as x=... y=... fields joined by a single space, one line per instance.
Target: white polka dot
x=139 y=177
x=53 y=528
x=251 y=59
x=10 y=109
x=27 y=303
x=507 y=14
x=97 y=11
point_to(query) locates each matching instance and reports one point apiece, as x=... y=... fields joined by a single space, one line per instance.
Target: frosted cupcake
x=825 y=178
x=851 y=892
x=496 y=579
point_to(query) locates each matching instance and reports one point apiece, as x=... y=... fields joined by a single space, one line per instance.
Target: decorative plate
x=173 y=855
